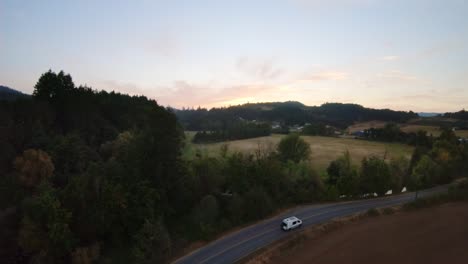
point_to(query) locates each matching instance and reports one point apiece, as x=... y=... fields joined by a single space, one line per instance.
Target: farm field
x=324 y=149
x=430 y=235
x=407 y=128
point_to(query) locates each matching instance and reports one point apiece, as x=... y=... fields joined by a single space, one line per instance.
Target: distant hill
x=7 y=93
x=287 y=113
x=428 y=114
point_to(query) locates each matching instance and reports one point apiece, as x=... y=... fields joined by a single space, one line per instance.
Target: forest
x=240 y=129
x=90 y=176
x=462 y=115
x=287 y=113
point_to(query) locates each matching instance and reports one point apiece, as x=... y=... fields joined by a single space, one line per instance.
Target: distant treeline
x=237 y=130
x=391 y=132
x=462 y=115
x=442 y=122
x=288 y=114
x=318 y=129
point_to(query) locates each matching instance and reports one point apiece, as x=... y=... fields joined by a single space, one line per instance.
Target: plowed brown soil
x=431 y=235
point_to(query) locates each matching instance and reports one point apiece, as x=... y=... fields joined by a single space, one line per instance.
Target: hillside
x=6 y=93
x=288 y=113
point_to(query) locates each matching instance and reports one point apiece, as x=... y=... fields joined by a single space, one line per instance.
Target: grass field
x=324 y=149
x=407 y=128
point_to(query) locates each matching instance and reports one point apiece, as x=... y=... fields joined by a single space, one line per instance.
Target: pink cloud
x=326 y=76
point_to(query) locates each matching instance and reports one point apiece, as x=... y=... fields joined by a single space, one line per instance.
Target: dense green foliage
x=294 y=148
x=318 y=129
x=375 y=176
x=446 y=159
x=237 y=130
x=82 y=168
x=392 y=133
x=343 y=175
x=462 y=115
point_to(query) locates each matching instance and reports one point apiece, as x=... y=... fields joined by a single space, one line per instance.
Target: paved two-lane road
x=237 y=245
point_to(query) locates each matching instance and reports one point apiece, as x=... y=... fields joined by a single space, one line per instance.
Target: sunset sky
x=404 y=55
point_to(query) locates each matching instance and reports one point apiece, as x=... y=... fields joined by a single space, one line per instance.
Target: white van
x=291 y=223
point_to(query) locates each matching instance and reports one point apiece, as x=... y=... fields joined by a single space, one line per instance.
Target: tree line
x=287 y=114
x=391 y=132
x=86 y=173
x=462 y=115
x=240 y=129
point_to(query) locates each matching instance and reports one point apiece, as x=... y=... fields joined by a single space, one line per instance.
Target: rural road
x=235 y=246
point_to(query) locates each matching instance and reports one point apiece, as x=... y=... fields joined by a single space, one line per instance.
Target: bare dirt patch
x=431 y=235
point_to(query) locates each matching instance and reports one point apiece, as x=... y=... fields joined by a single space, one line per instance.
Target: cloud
x=264 y=69
x=390 y=58
x=185 y=94
x=326 y=76
x=396 y=75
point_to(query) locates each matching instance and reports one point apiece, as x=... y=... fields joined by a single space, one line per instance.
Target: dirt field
x=324 y=149
x=431 y=235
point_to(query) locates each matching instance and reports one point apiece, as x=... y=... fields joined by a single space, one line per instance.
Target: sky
x=398 y=54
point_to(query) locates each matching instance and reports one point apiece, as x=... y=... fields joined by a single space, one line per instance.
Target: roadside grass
x=373 y=212
x=457 y=192
x=388 y=210
x=324 y=149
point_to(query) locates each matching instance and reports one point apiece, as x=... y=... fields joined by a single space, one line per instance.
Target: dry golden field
x=324 y=149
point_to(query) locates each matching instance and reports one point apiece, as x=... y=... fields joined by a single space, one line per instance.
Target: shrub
x=388 y=211
x=372 y=212
x=294 y=148
x=375 y=176
x=33 y=167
